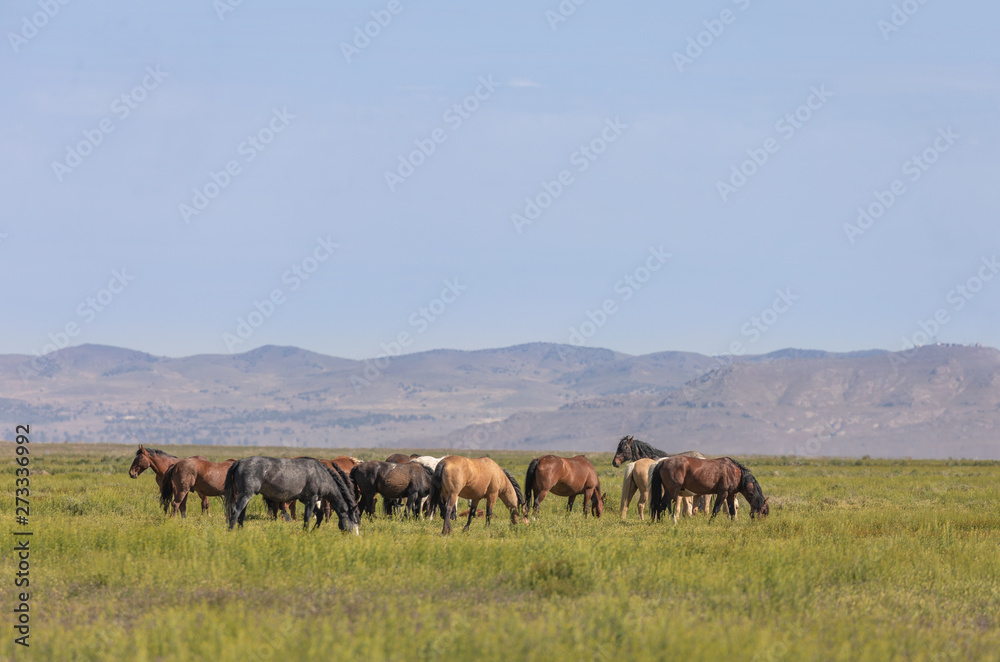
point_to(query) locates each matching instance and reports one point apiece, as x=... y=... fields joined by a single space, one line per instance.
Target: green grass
x=859 y=560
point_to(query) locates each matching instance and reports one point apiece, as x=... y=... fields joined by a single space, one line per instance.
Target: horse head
x=755 y=497
x=597 y=504
x=624 y=452
x=140 y=463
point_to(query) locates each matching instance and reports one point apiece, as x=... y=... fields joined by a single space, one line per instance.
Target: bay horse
x=462 y=477
x=723 y=477
x=399 y=458
x=565 y=477
x=192 y=474
x=284 y=479
x=636 y=481
x=631 y=449
x=146 y=458
x=394 y=482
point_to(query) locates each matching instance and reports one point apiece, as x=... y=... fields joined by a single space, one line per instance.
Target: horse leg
x=472 y=514
x=628 y=491
x=449 y=512
x=569 y=504
x=238 y=512
x=731 y=504
x=588 y=494
x=643 y=499
x=181 y=504
x=489 y=509
x=307 y=513
x=538 y=501
x=204 y=505
x=719 y=498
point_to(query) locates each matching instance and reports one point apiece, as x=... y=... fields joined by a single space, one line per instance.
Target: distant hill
x=937 y=401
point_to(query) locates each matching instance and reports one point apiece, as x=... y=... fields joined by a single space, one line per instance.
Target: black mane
x=747 y=478
x=640 y=450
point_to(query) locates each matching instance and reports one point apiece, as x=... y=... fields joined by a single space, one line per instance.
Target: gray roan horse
x=287 y=479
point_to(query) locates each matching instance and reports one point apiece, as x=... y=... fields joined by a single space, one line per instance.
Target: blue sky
x=436 y=255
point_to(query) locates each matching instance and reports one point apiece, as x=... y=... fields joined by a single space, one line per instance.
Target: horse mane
x=157 y=452
x=641 y=449
x=747 y=477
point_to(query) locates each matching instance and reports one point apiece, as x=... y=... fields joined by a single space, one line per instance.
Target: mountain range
x=933 y=401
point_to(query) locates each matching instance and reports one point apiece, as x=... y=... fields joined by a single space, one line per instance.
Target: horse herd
x=346 y=487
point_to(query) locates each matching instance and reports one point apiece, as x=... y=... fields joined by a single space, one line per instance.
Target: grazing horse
x=192 y=474
x=565 y=477
x=151 y=457
x=394 y=482
x=399 y=458
x=636 y=481
x=631 y=449
x=345 y=462
x=284 y=479
x=724 y=477
x=462 y=477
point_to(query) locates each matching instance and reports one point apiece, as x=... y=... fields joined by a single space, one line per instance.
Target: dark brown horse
x=394 y=482
x=146 y=458
x=399 y=458
x=565 y=477
x=192 y=474
x=686 y=476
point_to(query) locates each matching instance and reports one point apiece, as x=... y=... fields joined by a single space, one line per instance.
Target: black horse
x=280 y=480
x=394 y=482
x=631 y=449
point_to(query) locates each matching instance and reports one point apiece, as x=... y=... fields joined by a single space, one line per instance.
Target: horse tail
x=529 y=482
x=167 y=488
x=437 y=480
x=656 y=496
x=229 y=490
x=517 y=489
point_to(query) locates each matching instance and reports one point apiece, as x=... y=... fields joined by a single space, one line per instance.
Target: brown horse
x=399 y=458
x=631 y=449
x=146 y=458
x=192 y=474
x=565 y=477
x=636 y=481
x=462 y=477
x=394 y=482
x=684 y=476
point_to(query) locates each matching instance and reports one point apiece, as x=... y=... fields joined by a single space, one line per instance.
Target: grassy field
x=859 y=560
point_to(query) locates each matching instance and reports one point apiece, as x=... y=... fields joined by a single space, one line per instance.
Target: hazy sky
x=388 y=169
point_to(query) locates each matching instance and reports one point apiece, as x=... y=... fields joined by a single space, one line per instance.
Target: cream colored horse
x=637 y=477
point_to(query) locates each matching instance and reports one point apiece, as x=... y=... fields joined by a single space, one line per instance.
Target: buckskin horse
x=462 y=477
x=565 y=477
x=723 y=477
x=631 y=449
x=192 y=474
x=284 y=479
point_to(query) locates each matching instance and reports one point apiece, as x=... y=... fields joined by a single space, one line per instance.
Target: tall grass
x=859 y=560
